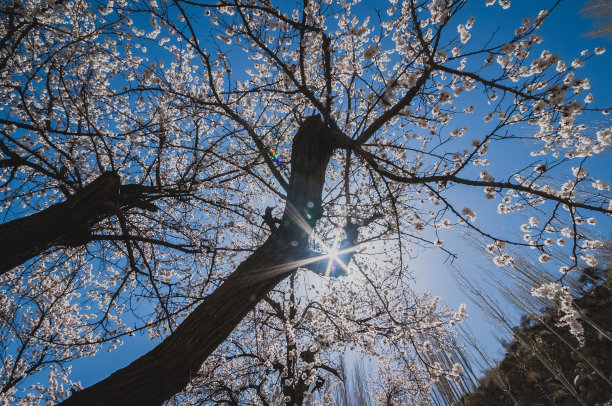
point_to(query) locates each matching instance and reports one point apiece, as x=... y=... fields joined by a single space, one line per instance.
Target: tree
x=350 y=133
x=290 y=349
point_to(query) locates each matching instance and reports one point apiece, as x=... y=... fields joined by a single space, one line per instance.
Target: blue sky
x=563 y=34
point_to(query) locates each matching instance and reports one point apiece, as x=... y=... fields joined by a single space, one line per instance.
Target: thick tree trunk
x=168 y=368
x=67 y=223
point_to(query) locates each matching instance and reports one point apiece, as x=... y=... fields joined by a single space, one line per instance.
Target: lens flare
x=276 y=158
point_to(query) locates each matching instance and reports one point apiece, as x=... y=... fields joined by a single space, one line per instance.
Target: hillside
x=539 y=367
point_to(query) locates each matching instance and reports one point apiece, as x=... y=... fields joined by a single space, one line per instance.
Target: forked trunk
x=168 y=368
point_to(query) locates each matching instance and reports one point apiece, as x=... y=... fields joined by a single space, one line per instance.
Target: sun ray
x=332 y=254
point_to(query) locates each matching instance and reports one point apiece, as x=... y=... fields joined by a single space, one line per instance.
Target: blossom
x=499 y=260
x=208 y=152
x=371 y=52
x=445 y=97
x=579 y=172
x=570 y=316
x=438 y=10
x=485 y=175
x=540 y=18
x=544 y=258
x=462 y=313
x=504 y=4
x=589 y=259
x=600 y=185
x=464 y=34
x=469 y=213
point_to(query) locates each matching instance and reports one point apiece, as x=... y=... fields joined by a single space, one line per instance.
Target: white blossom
x=544 y=258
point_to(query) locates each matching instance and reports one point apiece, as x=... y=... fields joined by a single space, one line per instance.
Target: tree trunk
x=67 y=223
x=169 y=367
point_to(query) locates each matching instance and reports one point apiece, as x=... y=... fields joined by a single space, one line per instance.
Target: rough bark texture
x=168 y=368
x=63 y=224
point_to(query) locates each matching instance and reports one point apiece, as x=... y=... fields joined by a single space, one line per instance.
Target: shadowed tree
x=173 y=128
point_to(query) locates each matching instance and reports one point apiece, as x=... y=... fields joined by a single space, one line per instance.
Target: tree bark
x=169 y=367
x=67 y=223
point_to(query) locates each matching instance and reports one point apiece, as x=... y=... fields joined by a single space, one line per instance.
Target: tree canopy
x=182 y=167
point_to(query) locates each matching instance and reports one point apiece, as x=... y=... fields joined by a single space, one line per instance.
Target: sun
x=332 y=253
x=336 y=265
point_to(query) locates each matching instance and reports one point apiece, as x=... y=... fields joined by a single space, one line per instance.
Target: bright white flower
x=499 y=260
x=462 y=313
x=548 y=290
x=469 y=213
x=464 y=34
x=484 y=175
x=504 y=3
x=544 y=258
x=579 y=172
x=457 y=369
x=540 y=18
x=439 y=10
x=600 y=50
x=600 y=185
x=445 y=97
x=561 y=66
x=589 y=259
x=570 y=315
